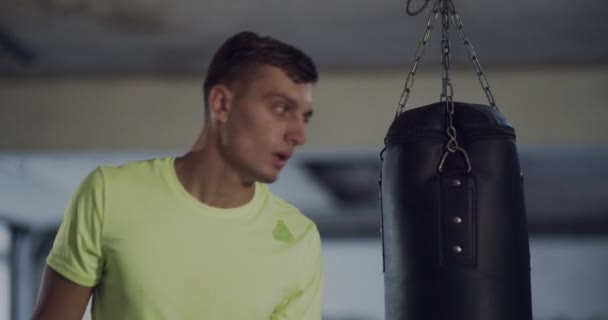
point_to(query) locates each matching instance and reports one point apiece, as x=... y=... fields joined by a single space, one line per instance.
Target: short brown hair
x=247 y=49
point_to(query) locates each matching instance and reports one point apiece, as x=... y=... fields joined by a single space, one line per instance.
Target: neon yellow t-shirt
x=153 y=251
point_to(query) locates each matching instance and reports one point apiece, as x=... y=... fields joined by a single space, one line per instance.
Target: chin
x=267 y=177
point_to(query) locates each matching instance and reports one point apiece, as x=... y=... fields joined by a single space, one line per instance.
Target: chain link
x=416 y=12
x=447 y=10
x=422 y=47
x=485 y=85
x=447 y=90
x=419 y=54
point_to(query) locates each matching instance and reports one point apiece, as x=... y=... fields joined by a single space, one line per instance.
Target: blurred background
x=89 y=82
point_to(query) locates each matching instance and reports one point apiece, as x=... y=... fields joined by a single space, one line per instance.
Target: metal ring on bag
x=457 y=149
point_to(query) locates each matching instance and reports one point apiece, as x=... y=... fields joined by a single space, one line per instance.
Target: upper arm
x=60 y=298
x=76 y=261
x=77 y=252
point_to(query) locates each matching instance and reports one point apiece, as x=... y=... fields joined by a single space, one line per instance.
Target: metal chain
x=447 y=90
x=422 y=46
x=447 y=9
x=419 y=54
x=472 y=56
x=416 y=12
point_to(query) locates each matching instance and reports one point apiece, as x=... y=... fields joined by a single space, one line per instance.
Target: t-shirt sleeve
x=306 y=305
x=77 y=250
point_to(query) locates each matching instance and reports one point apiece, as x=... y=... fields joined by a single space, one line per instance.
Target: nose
x=296 y=133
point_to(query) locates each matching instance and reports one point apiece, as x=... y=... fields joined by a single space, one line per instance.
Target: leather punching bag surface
x=455 y=241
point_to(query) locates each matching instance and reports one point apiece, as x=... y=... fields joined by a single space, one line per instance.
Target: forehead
x=266 y=80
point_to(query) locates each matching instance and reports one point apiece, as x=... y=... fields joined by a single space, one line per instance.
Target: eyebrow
x=271 y=95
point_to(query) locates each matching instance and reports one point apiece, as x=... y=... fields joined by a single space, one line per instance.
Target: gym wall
x=547 y=106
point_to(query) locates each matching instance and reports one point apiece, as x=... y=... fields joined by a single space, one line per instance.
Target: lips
x=283 y=156
x=280 y=159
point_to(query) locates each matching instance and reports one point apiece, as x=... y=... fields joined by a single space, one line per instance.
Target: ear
x=220 y=102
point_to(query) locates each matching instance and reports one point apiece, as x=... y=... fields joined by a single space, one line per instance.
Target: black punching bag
x=454 y=232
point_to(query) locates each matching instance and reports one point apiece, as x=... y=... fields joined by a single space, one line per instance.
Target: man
x=200 y=236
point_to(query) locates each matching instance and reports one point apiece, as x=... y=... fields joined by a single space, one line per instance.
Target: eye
x=280 y=107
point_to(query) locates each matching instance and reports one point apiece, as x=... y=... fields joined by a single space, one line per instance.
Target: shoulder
x=140 y=171
x=302 y=227
x=119 y=178
x=133 y=168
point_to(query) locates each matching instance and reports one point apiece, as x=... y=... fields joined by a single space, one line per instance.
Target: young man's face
x=266 y=121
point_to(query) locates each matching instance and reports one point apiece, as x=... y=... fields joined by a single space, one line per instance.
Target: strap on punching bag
x=456 y=191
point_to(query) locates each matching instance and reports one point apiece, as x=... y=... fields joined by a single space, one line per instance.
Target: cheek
x=247 y=135
x=262 y=127
x=254 y=129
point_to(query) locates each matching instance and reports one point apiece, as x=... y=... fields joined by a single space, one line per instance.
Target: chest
x=200 y=268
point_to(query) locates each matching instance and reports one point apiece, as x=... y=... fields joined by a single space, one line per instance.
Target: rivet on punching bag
x=454 y=231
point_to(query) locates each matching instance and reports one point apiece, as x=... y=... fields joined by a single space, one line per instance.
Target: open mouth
x=281 y=158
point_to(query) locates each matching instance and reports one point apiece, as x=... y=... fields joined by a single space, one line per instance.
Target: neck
x=206 y=175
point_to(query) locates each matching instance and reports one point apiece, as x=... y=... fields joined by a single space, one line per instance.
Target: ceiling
x=59 y=37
